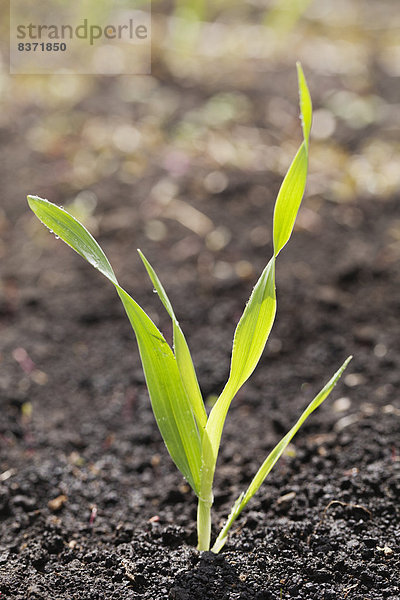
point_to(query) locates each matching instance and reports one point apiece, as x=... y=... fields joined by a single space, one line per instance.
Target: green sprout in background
x=191 y=437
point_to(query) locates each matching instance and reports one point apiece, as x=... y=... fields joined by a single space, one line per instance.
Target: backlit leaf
x=169 y=400
x=273 y=457
x=73 y=233
x=248 y=344
x=256 y=322
x=293 y=186
x=181 y=350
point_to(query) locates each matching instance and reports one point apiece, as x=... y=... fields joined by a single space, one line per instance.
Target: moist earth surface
x=91 y=506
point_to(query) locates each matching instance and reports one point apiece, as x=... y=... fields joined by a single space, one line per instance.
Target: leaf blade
x=274 y=456
x=182 y=352
x=289 y=199
x=250 y=338
x=254 y=327
x=158 y=286
x=246 y=353
x=167 y=394
x=305 y=103
x=293 y=186
x=168 y=397
x=73 y=233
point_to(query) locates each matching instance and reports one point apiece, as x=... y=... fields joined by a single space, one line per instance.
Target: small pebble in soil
x=57 y=503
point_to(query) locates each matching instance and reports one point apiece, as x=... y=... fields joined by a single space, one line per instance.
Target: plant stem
x=204 y=524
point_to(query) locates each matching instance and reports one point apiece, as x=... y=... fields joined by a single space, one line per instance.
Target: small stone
x=387 y=551
x=154 y=519
x=341 y=404
x=345 y=422
x=57 y=503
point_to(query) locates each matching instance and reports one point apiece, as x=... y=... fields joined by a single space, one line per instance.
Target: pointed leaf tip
x=292 y=189
x=72 y=232
x=305 y=103
x=168 y=396
x=182 y=352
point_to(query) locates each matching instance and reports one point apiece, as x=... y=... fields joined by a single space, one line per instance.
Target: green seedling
x=191 y=437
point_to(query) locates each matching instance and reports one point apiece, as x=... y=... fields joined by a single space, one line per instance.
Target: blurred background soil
x=186 y=164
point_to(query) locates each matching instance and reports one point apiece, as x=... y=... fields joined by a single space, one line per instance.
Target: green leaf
x=293 y=186
x=274 y=456
x=169 y=400
x=305 y=104
x=289 y=199
x=158 y=286
x=182 y=352
x=248 y=344
x=73 y=233
x=256 y=322
x=254 y=327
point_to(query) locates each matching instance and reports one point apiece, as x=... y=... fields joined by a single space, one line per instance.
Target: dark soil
x=91 y=506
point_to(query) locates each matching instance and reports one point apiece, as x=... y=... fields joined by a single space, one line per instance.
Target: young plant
x=192 y=438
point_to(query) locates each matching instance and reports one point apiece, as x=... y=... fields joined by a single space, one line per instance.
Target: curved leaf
x=249 y=341
x=73 y=233
x=293 y=186
x=182 y=352
x=168 y=396
x=256 y=322
x=274 y=456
